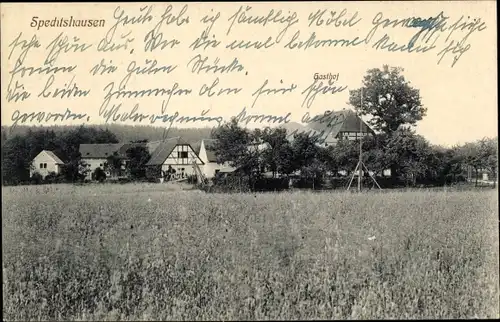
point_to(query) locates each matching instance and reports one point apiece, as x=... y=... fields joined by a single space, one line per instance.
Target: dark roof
x=209 y=148
x=102 y=151
x=346 y=121
x=196 y=147
x=163 y=150
x=99 y=151
x=54 y=156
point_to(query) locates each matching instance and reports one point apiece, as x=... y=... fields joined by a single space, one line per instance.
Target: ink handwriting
x=242 y=17
x=62 y=43
x=121 y=93
x=268 y=91
x=261 y=118
x=212 y=90
x=199 y=65
x=334 y=19
x=18 y=117
x=318 y=87
x=150 y=68
x=70 y=90
x=24 y=46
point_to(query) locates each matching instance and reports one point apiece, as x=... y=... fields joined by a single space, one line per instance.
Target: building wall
x=93 y=164
x=48 y=165
x=209 y=168
x=181 y=160
x=351 y=135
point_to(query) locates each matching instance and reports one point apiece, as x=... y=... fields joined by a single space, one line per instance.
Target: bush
x=53 y=177
x=36 y=178
x=99 y=175
x=309 y=183
x=269 y=184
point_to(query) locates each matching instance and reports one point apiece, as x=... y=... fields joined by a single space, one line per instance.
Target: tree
x=278 y=158
x=409 y=154
x=488 y=155
x=138 y=157
x=346 y=155
x=232 y=146
x=389 y=99
x=113 y=164
x=374 y=154
x=469 y=154
x=16 y=160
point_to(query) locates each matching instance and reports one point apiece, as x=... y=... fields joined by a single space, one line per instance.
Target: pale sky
x=461 y=100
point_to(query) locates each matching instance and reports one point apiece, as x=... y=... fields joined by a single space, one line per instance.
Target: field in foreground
x=135 y=252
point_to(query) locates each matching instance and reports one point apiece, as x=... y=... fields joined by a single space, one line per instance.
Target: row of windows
x=43 y=165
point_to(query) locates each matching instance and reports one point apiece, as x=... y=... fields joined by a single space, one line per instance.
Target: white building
x=96 y=155
x=46 y=162
x=205 y=150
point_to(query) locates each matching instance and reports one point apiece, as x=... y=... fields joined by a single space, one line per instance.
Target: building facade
x=46 y=162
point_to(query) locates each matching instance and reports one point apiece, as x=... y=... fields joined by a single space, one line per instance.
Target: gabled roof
x=163 y=150
x=209 y=149
x=346 y=121
x=53 y=156
x=105 y=150
x=99 y=151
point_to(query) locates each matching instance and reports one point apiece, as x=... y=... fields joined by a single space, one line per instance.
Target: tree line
x=394 y=108
x=410 y=157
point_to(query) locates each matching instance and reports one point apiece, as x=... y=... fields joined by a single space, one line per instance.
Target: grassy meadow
x=144 y=252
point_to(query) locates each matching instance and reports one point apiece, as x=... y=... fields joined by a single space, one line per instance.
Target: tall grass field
x=142 y=252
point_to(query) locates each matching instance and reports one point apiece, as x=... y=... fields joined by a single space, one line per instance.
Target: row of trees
x=411 y=158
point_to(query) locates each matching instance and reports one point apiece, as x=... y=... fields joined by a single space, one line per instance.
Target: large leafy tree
x=15 y=160
x=114 y=164
x=411 y=154
x=278 y=158
x=389 y=99
x=138 y=157
x=482 y=154
x=489 y=156
x=232 y=145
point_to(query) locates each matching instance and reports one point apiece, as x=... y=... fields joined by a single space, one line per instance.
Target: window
x=41 y=165
x=182 y=154
x=100 y=165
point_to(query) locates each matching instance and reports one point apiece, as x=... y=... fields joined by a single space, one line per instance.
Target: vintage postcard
x=249 y=160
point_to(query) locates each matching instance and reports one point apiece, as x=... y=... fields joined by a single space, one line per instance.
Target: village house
x=172 y=154
x=205 y=150
x=346 y=125
x=46 y=162
x=96 y=156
